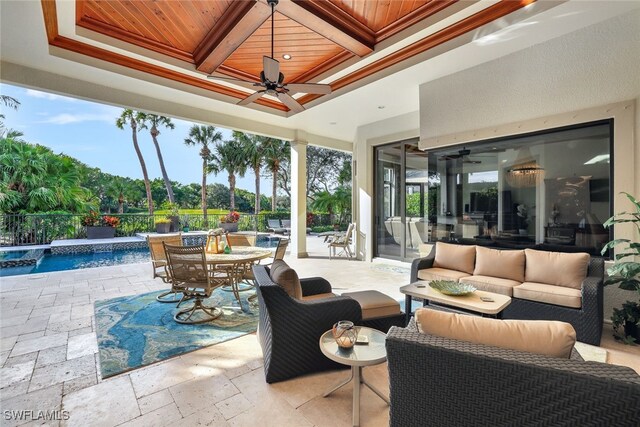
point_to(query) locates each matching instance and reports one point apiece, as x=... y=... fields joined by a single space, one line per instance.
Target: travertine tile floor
x=48 y=354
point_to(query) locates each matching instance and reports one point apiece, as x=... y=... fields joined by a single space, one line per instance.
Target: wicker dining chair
x=159 y=264
x=241 y=240
x=188 y=267
x=248 y=275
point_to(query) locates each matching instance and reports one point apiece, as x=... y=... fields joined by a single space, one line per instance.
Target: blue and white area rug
x=137 y=330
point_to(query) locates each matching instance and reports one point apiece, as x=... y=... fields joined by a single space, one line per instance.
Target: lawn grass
x=194 y=212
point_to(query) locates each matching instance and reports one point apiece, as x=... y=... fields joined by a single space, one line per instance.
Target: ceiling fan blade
x=251 y=98
x=271 y=69
x=287 y=100
x=308 y=88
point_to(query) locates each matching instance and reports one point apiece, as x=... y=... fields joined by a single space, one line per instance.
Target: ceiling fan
x=462 y=154
x=272 y=80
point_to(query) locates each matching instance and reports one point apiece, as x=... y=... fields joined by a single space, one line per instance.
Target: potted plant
x=229 y=222
x=626 y=273
x=174 y=216
x=100 y=227
x=163 y=225
x=184 y=221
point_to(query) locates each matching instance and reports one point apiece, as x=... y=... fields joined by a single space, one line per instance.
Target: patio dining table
x=230 y=268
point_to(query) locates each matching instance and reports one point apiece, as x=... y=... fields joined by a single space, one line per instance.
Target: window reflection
x=548 y=191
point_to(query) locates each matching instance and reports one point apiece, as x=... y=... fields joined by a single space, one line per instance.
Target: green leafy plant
x=626 y=274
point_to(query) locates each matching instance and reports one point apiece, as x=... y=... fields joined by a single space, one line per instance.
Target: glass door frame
x=403 y=197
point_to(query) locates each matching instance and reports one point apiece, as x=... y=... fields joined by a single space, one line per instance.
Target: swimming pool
x=49 y=262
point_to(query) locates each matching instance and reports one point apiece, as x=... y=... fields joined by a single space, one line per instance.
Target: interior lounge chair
x=273 y=225
x=188 y=268
x=159 y=264
x=343 y=243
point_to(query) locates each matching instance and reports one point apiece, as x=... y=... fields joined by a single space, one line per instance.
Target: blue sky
x=86 y=130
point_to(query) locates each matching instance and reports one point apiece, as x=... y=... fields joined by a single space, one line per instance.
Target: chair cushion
x=318 y=296
x=375 y=304
x=550 y=294
x=496 y=263
x=491 y=284
x=550 y=338
x=455 y=257
x=287 y=278
x=440 y=274
x=556 y=268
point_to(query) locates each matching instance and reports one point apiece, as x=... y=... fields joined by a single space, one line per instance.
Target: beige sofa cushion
x=455 y=257
x=287 y=278
x=545 y=337
x=318 y=296
x=375 y=304
x=555 y=268
x=491 y=284
x=440 y=274
x=550 y=294
x=496 y=263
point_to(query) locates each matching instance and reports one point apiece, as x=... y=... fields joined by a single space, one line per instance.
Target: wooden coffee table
x=467 y=303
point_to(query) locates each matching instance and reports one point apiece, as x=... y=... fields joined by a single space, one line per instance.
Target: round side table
x=359 y=356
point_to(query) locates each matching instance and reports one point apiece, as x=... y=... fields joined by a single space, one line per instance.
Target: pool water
x=7 y=255
x=51 y=262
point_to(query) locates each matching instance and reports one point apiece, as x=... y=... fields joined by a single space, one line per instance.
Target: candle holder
x=345 y=334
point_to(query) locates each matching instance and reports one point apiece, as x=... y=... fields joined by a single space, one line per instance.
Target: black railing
x=40 y=229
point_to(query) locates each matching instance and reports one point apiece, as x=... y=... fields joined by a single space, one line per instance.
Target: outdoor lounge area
x=320 y=213
x=50 y=357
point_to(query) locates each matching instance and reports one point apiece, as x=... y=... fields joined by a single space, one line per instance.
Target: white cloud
x=66 y=118
x=48 y=96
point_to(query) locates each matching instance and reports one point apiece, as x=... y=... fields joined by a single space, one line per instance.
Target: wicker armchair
x=442 y=382
x=159 y=264
x=188 y=269
x=279 y=253
x=289 y=330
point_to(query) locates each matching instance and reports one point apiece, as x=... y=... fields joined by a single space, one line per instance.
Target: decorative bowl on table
x=449 y=287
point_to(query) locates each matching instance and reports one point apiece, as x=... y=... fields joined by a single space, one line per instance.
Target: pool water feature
x=49 y=262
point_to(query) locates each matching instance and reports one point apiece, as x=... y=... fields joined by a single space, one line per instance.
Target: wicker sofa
x=443 y=382
x=579 y=303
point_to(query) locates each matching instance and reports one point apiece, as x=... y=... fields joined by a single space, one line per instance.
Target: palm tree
x=10 y=102
x=133 y=117
x=152 y=122
x=229 y=157
x=275 y=152
x=207 y=137
x=252 y=150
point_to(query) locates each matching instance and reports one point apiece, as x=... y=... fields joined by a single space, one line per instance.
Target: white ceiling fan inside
x=272 y=80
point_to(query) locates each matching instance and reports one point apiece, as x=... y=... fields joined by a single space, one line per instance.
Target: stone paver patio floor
x=49 y=361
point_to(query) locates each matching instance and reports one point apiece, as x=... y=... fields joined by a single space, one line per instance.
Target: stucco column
x=299 y=199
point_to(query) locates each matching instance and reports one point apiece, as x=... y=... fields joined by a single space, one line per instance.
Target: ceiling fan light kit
x=272 y=80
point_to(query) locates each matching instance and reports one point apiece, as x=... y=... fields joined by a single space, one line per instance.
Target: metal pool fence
x=40 y=229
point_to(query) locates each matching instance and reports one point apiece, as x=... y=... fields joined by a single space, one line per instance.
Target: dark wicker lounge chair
x=442 y=382
x=289 y=330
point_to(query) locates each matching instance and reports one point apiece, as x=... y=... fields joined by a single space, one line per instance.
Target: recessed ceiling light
x=286 y=56
x=380 y=107
x=333 y=123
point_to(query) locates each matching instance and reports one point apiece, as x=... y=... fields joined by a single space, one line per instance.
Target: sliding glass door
x=400 y=200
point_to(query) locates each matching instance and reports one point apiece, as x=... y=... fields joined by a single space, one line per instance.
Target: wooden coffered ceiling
x=231 y=36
